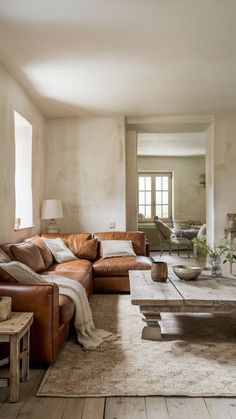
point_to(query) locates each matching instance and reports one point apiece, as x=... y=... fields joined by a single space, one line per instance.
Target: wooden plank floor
x=32 y=407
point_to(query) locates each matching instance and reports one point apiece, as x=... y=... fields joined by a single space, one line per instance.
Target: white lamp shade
x=51 y=209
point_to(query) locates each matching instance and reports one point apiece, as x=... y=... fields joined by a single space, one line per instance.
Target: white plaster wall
x=86 y=170
x=12 y=97
x=131 y=180
x=224 y=171
x=189 y=195
x=210 y=187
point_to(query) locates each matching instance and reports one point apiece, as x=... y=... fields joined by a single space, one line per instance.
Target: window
x=155 y=195
x=23 y=172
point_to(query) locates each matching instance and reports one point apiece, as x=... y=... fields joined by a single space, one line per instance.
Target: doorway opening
x=171 y=182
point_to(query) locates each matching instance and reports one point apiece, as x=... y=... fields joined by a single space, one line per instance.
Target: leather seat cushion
x=80 y=265
x=66 y=309
x=85 y=278
x=120 y=266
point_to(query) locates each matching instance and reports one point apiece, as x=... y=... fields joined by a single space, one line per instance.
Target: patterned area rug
x=197 y=357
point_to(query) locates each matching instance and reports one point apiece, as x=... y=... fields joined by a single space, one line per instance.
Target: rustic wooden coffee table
x=204 y=295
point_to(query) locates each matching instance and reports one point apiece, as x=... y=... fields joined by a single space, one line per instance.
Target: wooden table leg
x=14 y=368
x=25 y=357
x=152 y=331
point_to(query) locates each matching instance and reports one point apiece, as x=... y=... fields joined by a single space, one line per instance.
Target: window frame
x=153 y=175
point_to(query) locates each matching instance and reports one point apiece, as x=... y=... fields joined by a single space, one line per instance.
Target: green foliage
x=224 y=249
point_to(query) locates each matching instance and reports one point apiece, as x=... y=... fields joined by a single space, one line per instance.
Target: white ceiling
x=172 y=144
x=129 y=57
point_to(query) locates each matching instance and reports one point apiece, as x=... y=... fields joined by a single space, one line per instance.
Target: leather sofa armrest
x=43 y=301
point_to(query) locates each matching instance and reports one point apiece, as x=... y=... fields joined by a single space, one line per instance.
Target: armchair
x=165 y=236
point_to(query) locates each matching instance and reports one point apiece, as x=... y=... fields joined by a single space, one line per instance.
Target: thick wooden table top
x=205 y=291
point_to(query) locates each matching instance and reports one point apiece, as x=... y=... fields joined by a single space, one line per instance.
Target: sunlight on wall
x=23 y=171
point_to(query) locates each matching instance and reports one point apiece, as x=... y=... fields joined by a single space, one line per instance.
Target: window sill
x=24 y=228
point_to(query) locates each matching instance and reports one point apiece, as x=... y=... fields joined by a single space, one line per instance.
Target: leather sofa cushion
x=87 y=249
x=120 y=266
x=44 y=250
x=80 y=265
x=28 y=254
x=66 y=309
x=137 y=238
x=85 y=278
x=81 y=244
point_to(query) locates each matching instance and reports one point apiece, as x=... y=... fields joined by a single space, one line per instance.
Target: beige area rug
x=197 y=357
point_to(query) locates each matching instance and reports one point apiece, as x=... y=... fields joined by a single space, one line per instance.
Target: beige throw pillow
x=4 y=258
x=60 y=251
x=202 y=231
x=21 y=273
x=115 y=248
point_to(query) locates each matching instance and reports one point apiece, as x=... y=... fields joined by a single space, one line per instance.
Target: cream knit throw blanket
x=88 y=336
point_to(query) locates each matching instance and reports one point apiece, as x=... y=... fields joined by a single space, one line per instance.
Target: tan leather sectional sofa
x=53 y=313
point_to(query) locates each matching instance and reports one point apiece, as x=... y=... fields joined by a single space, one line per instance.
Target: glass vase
x=216 y=268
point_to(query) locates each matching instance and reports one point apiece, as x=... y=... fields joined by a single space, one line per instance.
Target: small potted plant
x=217 y=254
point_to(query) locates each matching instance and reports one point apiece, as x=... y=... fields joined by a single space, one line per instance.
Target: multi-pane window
x=145 y=196
x=155 y=195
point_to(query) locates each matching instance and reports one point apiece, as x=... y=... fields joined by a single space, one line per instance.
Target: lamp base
x=52 y=227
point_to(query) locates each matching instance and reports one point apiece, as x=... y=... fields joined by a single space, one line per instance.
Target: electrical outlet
x=112 y=224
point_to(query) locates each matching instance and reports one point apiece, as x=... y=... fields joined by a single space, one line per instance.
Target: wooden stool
x=12 y=331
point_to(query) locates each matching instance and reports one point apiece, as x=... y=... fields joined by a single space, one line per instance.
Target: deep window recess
x=23 y=172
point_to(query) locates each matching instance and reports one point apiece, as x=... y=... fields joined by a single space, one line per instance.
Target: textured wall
x=13 y=98
x=189 y=195
x=224 y=171
x=131 y=180
x=86 y=170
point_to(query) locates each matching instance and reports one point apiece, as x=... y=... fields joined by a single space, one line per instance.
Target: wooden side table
x=12 y=331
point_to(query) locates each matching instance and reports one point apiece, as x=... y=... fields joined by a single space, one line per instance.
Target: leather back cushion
x=81 y=244
x=87 y=249
x=137 y=238
x=164 y=229
x=6 y=277
x=44 y=250
x=28 y=254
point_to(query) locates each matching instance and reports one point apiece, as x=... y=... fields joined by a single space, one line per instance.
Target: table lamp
x=52 y=210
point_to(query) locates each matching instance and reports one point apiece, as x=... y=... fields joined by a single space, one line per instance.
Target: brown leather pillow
x=5 y=277
x=4 y=258
x=87 y=249
x=44 y=250
x=28 y=254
